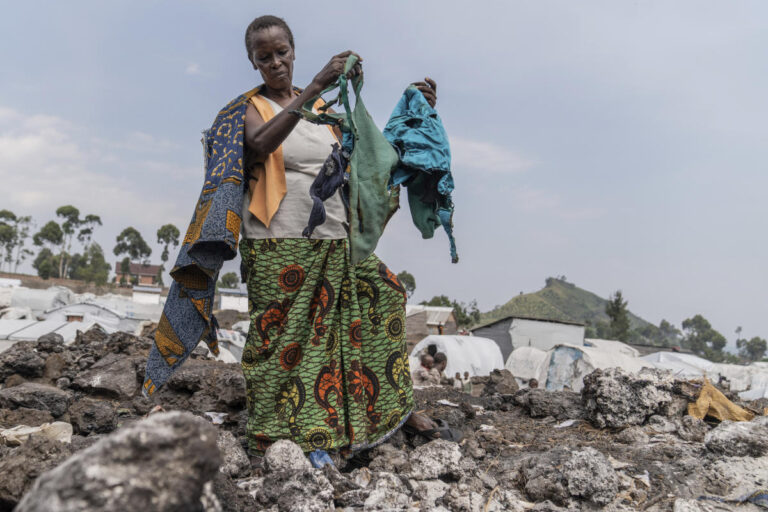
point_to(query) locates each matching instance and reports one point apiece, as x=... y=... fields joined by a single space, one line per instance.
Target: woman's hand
x=429 y=89
x=335 y=67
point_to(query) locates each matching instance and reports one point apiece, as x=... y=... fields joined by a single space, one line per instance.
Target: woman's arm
x=264 y=138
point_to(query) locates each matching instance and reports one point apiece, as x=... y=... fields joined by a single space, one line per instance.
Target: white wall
x=146 y=297
x=236 y=302
x=544 y=335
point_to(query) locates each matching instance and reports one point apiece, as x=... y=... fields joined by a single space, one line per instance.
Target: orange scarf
x=267 y=186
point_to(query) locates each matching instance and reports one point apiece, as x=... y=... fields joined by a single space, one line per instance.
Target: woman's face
x=273 y=56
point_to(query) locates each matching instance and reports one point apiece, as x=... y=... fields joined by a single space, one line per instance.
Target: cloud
x=193 y=68
x=488 y=157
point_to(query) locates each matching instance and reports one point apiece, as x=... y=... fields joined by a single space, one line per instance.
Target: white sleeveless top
x=304 y=152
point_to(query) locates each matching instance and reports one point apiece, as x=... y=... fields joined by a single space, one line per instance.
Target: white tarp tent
x=474 y=354
x=612 y=346
x=681 y=365
x=527 y=363
x=566 y=365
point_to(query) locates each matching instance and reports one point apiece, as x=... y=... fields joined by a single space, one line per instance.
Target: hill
x=561 y=300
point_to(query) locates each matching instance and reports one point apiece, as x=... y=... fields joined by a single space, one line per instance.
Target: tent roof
x=473 y=354
x=520 y=317
x=436 y=315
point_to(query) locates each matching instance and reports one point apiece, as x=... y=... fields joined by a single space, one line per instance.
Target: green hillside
x=561 y=300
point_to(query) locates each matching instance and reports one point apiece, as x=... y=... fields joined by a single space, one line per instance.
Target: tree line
x=64 y=246
x=696 y=335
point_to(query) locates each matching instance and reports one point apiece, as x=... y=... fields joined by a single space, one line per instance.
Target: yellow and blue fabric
x=417 y=133
x=212 y=238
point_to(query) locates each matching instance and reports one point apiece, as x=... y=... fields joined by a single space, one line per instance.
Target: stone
x=302 y=490
x=36 y=396
x=54 y=367
x=614 y=398
x=51 y=342
x=386 y=457
x=561 y=405
x=502 y=382
x=23 y=465
x=56 y=431
x=93 y=416
x=739 y=439
x=21 y=358
x=661 y=425
x=113 y=375
x=427 y=492
x=692 y=429
x=14 y=380
x=161 y=463
x=590 y=476
x=235 y=461
x=542 y=480
x=285 y=455
x=386 y=499
x=434 y=459
x=632 y=435
x=24 y=416
x=63 y=383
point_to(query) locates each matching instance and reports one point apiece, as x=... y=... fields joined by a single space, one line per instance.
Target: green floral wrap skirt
x=325 y=361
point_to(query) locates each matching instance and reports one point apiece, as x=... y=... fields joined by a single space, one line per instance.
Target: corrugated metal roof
x=8 y=327
x=436 y=315
x=37 y=329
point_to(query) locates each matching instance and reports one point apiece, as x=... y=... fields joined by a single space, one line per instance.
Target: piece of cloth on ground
x=417 y=133
x=325 y=361
x=211 y=238
x=759 y=498
x=713 y=403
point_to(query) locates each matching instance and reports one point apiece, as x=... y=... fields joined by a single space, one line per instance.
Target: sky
x=621 y=144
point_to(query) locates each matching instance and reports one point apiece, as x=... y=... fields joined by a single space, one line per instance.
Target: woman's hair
x=261 y=23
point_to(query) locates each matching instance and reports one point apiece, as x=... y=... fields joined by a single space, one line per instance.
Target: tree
x=616 y=309
x=125 y=270
x=466 y=314
x=167 y=235
x=669 y=332
x=754 y=349
x=131 y=243
x=229 y=280
x=46 y=263
x=408 y=282
x=702 y=339
x=73 y=227
x=14 y=232
x=49 y=237
x=91 y=266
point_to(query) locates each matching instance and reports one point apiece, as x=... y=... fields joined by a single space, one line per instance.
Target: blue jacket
x=417 y=133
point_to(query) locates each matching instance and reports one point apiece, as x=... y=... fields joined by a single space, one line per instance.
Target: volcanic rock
x=159 y=464
x=114 y=375
x=36 y=396
x=739 y=439
x=88 y=415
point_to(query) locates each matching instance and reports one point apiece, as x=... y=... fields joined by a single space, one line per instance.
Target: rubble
x=624 y=443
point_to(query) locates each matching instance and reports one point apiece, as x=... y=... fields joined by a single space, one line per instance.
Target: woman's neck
x=279 y=96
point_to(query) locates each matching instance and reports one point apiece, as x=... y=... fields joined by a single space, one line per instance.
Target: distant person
x=424 y=375
x=467 y=383
x=441 y=362
x=458 y=383
x=533 y=383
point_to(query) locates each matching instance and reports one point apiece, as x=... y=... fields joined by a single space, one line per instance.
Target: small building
x=422 y=321
x=517 y=331
x=140 y=273
x=91 y=312
x=147 y=294
x=233 y=298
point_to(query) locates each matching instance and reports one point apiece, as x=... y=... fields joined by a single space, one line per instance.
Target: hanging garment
x=418 y=135
x=372 y=202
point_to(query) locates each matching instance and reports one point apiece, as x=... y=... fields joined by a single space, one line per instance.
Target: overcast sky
x=619 y=143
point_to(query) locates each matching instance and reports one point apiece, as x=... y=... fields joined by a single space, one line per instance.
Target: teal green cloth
x=371 y=201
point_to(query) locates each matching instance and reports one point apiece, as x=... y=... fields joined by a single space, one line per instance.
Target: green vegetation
x=616 y=309
x=132 y=244
x=466 y=314
x=167 y=235
x=228 y=280
x=408 y=282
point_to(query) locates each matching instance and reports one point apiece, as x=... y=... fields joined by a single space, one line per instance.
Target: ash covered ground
x=624 y=443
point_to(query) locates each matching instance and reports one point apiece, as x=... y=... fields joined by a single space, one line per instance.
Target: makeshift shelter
x=421 y=321
x=514 y=332
x=566 y=365
x=612 y=346
x=95 y=313
x=473 y=354
x=527 y=363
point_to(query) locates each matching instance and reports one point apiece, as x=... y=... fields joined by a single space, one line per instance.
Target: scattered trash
x=320 y=458
x=713 y=403
x=56 y=431
x=566 y=423
x=645 y=479
x=448 y=403
x=217 y=418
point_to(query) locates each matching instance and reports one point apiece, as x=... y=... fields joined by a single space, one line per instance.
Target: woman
x=325 y=361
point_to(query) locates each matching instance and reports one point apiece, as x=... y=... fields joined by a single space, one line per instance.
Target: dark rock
x=93 y=416
x=540 y=403
x=114 y=375
x=63 y=383
x=502 y=382
x=14 y=380
x=161 y=464
x=739 y=439
x=36 y=396
x=22 y=358
x=632 y=435
x=54 y=367
x=23 y=416
x=51 y=342
x=692 y=429
x=305 y=490
x=614 y=398
x=21 y=466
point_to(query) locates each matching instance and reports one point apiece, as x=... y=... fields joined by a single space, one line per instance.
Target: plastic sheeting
x=567 y=365
x=527 y=363
x=612 y=346
x=474 y=354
